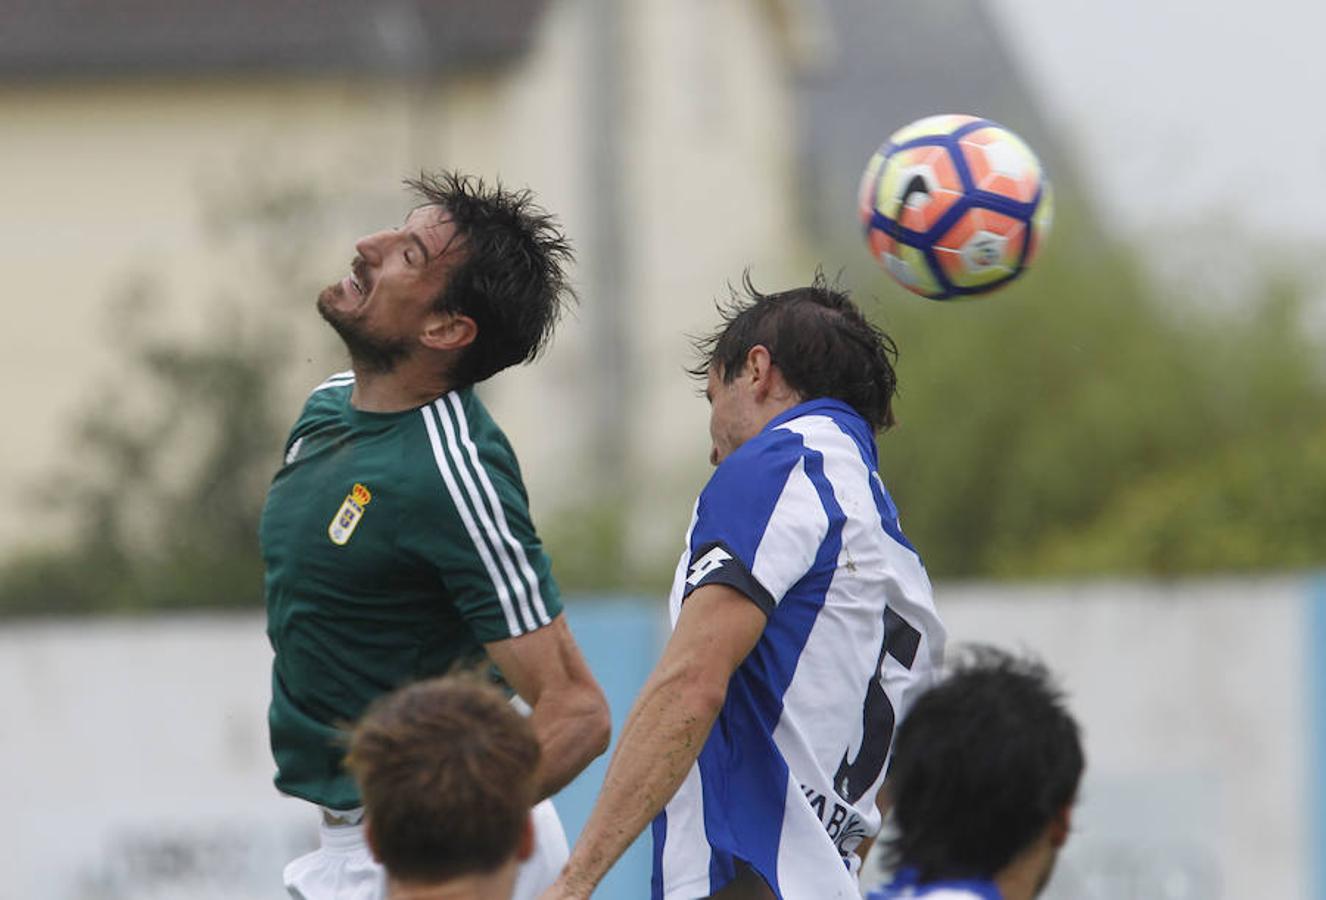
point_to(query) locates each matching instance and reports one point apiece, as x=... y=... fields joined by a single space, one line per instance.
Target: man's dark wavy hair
x=818 y=339
x=511 y=278
x=981 y=765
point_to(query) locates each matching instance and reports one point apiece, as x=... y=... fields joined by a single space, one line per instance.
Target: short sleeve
x=474 y=527
x=760 y=522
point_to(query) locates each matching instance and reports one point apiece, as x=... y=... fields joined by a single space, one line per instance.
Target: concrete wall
x=1199 y=703
x=136 y=765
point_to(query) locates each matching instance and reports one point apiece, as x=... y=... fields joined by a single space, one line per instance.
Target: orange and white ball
x=954 y=206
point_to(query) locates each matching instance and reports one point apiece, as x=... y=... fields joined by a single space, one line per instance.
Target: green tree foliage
x=1084 y=422
x=166 y=500
x=587 y=544
x=1251 y=506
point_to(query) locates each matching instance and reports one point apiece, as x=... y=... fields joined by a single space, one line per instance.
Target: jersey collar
x=910 y=878
x=825 y=406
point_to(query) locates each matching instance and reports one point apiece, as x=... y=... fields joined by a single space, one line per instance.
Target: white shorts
x=342 y=868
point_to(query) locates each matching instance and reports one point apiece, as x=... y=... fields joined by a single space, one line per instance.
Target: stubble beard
x=369 y=353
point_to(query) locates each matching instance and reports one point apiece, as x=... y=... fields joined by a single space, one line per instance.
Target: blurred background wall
x=223 y=159
x=1141 y=419
x=141 y=767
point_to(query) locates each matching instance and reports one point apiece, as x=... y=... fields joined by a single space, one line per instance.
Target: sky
x=1190 y=116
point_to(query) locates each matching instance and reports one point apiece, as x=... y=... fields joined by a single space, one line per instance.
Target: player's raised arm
x=570 y=714
x=665 y=730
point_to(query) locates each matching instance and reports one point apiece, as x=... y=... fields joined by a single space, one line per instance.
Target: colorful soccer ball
x=954 y=206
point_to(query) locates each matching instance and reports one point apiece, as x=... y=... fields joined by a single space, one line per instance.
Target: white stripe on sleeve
x=517 y=550
x=792 y=537
x=481 y=514
x=462 y=506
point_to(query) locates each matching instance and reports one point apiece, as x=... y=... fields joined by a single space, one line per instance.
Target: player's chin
x=334 y=302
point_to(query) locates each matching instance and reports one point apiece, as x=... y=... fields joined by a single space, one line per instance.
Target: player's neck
x=405 y=387
x=1025 y=877
x=488 y=886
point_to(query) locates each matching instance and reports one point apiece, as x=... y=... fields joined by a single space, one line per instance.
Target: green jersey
x=396 y=545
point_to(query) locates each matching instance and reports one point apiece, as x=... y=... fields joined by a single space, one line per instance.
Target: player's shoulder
x=813 y=428
x=482 y=426
x=459 y=446
x=325 y=405
x=828 y=425
x=331 y=393
x=465 y=426
x=337 y=383
x=774 y=447
x=759 y=465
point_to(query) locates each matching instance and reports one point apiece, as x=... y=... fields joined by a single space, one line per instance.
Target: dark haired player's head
x=817 y=343
x=985 y=772
x=446 y=770
x=473 y=281
x=817 y=337
x=510 y=277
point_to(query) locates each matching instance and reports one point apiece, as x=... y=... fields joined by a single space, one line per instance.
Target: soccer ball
x=954 y=206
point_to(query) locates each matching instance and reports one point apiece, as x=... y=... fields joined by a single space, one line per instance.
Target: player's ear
x=525 y=846
x=765 y=378
x=448 y=331
x=758 y=368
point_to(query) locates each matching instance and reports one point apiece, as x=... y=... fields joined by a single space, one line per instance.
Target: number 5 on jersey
x=854 y=777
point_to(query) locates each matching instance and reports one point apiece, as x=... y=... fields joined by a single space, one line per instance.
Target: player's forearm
x=573 y=727
x=658 y=745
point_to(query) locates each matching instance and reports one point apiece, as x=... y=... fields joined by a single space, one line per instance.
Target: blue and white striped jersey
x=798 y=520
x=906 y=886
x=963 y=890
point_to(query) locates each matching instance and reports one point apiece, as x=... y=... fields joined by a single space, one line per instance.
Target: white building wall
x=707 y=208
x=101 y=181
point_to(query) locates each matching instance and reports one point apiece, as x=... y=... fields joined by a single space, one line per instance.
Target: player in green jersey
x=397 y=534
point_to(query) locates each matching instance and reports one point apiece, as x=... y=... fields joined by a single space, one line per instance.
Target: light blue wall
x=621 y=639
x=1315 y=654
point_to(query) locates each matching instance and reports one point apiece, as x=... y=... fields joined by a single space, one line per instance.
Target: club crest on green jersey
x=346 y=520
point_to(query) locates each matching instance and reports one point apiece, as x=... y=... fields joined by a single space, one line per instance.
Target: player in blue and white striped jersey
x=803 y=625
